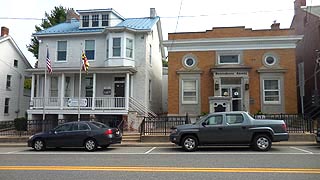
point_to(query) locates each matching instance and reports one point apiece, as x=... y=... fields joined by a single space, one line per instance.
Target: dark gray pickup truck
x=230 y=128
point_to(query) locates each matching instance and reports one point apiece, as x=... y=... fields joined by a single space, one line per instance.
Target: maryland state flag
x=85 y=65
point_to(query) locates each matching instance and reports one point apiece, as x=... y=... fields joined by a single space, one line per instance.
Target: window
x=6 y=105
x=89 y=86
x=64 y=127
x=54 y=87
x=229 y=59
x=95 y=20
x=105 y=20
x=85 y=21
x=189 y=91
x=62 y=51
x=234 y=118
x=107 y=49
x=270 y=60
x=271 y=91
x=214 y=120
x=150 y=90
x=8 y=81
x=15 y=63
x=150 y=54
x=89 y=48
x=129 y=48
x=80 y=127
x=116 y=47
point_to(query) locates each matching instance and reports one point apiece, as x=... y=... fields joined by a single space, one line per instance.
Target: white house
x=14 y=98
x=125 y=73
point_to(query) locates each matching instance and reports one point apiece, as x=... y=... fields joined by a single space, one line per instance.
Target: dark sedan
x=87 y=134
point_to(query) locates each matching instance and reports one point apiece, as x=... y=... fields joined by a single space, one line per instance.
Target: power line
x=164 y=17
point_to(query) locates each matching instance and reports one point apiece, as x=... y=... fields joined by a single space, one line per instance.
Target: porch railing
x=111 y=103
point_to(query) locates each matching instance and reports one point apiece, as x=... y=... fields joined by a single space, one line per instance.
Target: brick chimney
x=275 y=26
x=153 y=12
x=298 y=4
x=4 y=31
x=72 y=14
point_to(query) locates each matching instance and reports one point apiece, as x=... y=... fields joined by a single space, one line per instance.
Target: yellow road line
x=160 y=169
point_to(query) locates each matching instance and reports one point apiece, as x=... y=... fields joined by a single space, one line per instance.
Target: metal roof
x=73 y=26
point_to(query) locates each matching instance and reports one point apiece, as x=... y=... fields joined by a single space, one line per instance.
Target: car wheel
x=38 y=145
x=90 y=145
x=190 y=143
x=261 y=142
x=105 y=146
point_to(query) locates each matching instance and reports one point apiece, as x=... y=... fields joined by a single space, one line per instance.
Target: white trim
x=242 y=43
x=57 y=52
x=279 y=90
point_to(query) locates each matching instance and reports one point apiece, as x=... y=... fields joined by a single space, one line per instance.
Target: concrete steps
x=131 y=137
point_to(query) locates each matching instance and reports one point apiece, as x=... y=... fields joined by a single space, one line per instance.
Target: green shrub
x=21 y=124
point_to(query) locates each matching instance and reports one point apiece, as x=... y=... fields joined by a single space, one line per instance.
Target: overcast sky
x=176 y=15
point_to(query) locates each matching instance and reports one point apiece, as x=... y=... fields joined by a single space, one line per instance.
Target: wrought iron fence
x=34 y=126
x=162 y=125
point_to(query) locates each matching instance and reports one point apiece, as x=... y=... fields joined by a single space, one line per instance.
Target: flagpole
x=44 y=91
x=79 y=85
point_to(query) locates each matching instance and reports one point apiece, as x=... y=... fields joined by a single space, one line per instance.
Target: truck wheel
x=261 y=142
x=190 y=143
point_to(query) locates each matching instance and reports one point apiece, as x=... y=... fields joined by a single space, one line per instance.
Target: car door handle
x=220 y=128
x=243 y=127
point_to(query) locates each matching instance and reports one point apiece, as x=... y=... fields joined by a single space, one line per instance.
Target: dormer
x=99 y=18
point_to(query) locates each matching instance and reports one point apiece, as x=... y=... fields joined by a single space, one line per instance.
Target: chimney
x=298 y=4
x=4 y=31
x=275 y=25
x=153 y=12
x=71 y=14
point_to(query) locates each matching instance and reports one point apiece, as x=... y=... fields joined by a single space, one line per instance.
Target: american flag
x=48 y=62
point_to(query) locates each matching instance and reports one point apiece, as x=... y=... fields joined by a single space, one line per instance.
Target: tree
x=58 y=15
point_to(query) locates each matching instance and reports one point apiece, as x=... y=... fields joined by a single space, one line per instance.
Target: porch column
x=38 y=86
x=94 y=90
x=62 y=90
x=32 y=90
x=127 y=91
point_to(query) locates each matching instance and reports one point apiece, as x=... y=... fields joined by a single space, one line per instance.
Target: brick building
x=306 y=22
x=233 y=68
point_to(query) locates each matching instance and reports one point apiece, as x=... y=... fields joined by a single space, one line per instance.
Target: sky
x=21 y=16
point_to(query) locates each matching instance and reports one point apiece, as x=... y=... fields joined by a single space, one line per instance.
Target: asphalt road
x=145 y=163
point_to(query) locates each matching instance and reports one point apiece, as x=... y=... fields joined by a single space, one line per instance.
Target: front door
x=119 y=94
x=234 y=91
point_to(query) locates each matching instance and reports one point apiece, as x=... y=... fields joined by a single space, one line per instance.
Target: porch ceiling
x=110 y=70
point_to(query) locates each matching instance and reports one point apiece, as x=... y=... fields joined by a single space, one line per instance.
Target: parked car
x=230 y=128
x=87 y=134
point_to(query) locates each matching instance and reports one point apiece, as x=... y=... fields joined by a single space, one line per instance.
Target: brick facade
x=251 y=61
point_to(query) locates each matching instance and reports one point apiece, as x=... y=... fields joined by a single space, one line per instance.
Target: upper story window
x=150 y=54
x=62 y=51
x=271 y=91
x=95 y=20
x=89 y=49
x=8 y=85
x=107 y=49
x=85 y=21
x=105 y=20
x=129 y=48
x=229 y=59
x=15 y=63
x=116 y=47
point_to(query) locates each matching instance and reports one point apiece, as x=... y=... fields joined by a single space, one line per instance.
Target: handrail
x=142 y=109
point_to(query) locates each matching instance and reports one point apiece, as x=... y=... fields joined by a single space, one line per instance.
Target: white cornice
x=239 y=43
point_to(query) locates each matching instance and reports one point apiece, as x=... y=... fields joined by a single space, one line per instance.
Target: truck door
x=210 y=130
